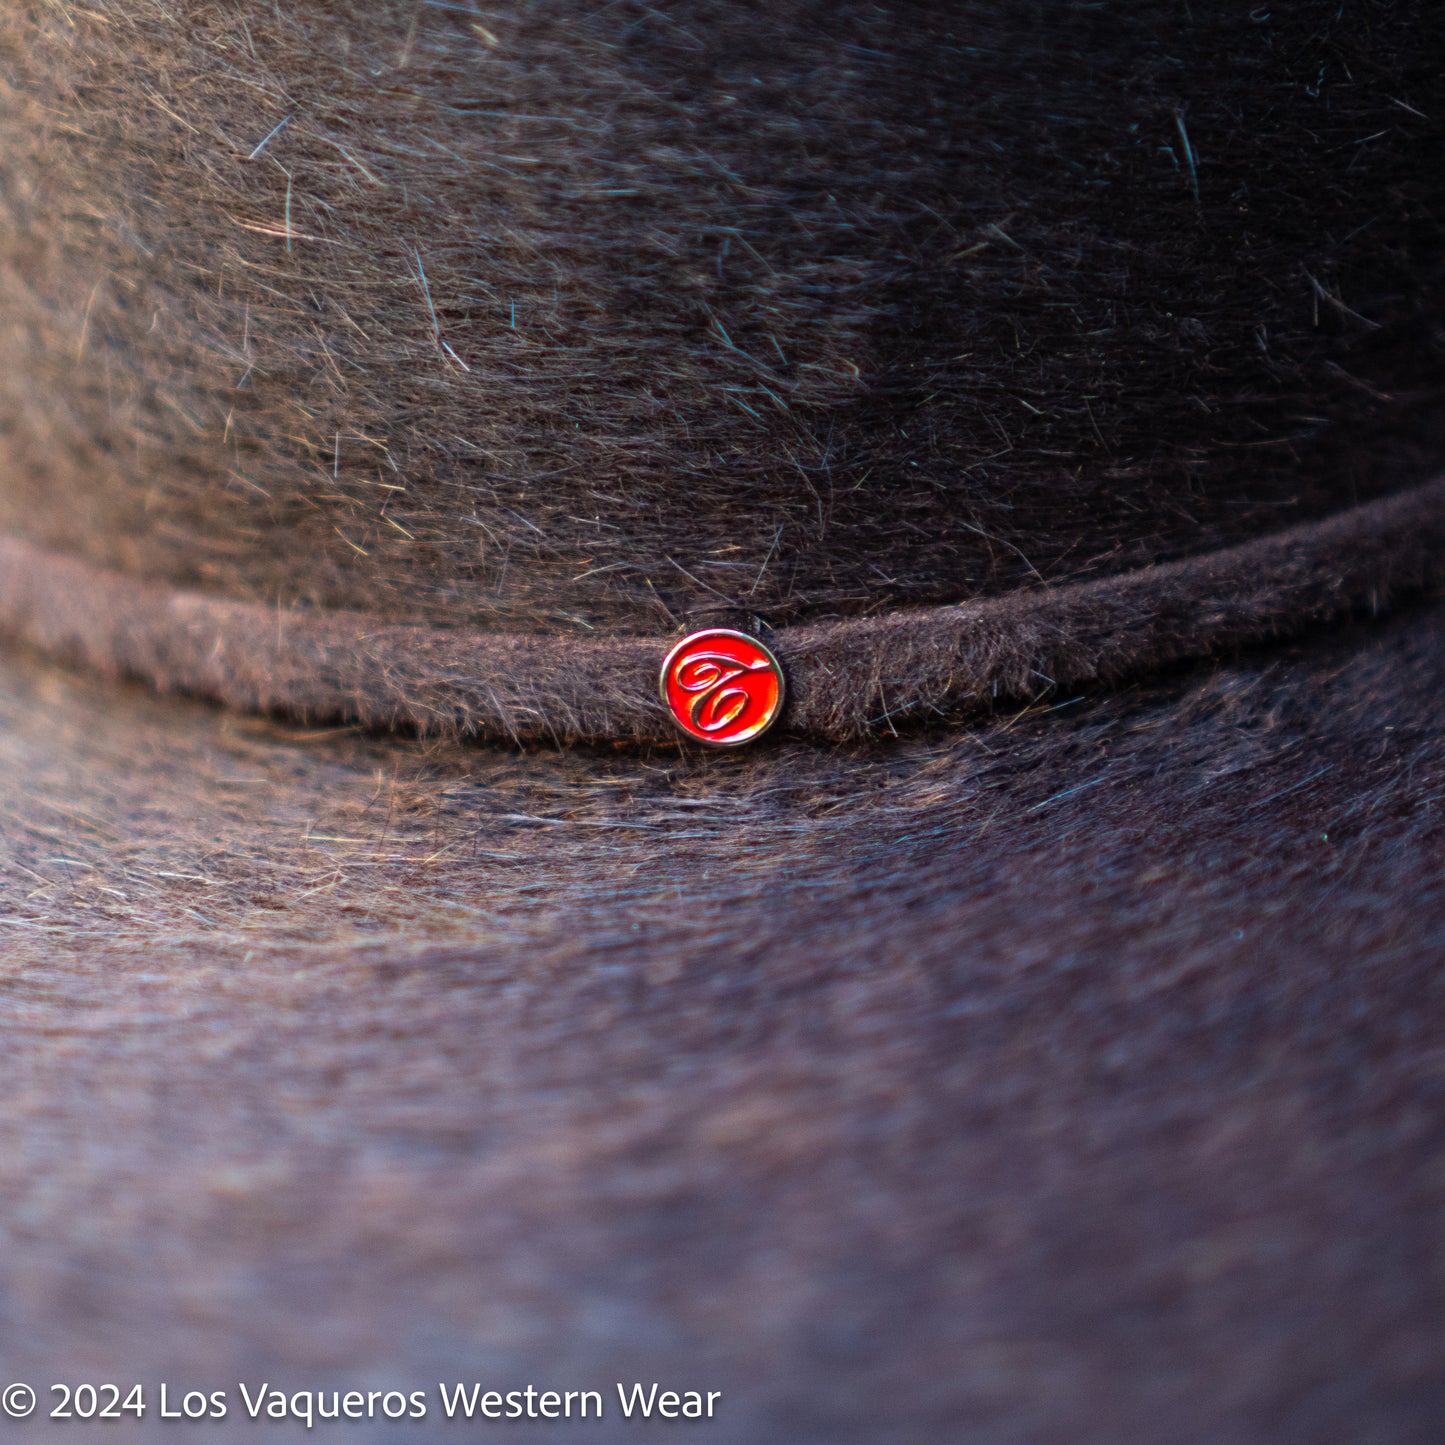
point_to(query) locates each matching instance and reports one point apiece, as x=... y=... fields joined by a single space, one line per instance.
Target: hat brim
x=1070 y=1076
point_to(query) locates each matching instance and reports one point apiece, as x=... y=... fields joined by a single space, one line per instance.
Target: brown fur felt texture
x=571 y=314
x=1070 y=1076
x=845 y=679
x=1075 y=1077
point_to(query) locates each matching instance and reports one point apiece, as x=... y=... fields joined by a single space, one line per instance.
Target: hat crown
x=578 y=315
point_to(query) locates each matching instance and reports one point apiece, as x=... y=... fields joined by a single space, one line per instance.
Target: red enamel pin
x=722 y=687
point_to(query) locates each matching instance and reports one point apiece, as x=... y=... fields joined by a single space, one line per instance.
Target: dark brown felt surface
x=808 y=307
x=1071 y=1076
x=1075 y=1077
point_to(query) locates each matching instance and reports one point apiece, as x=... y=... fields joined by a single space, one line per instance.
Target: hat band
x=846 y=678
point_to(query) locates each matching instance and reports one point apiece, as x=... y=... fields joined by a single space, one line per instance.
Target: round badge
x=722 y=687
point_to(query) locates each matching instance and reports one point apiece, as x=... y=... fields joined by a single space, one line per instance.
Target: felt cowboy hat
x=1030 y=1030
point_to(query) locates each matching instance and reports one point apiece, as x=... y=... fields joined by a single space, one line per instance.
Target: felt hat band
x=846 y=678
